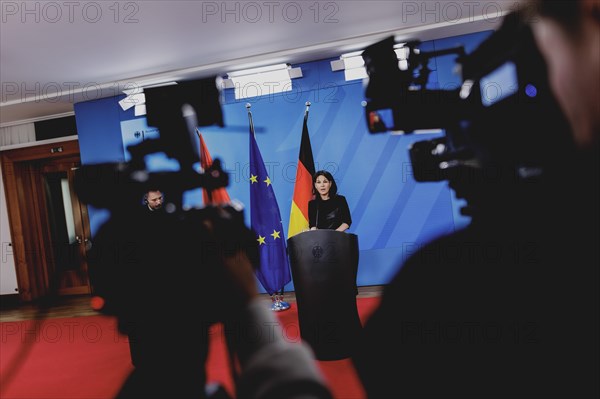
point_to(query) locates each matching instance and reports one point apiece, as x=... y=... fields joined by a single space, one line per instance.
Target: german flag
x=218 y=196
x=303 y=186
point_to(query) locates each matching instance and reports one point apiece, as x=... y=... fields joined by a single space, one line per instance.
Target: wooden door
x=67 y=228
x=49 y=226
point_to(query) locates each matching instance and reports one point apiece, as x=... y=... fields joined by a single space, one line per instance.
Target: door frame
x=68 y=165
x=26 y=209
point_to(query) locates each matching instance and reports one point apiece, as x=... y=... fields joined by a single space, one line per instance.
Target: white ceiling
x=54 y=53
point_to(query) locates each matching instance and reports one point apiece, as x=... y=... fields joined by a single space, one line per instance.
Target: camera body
x=503 y=117
x=142 y=260
x=147 y=262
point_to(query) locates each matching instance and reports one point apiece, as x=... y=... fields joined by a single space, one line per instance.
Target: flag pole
x=278 y=304
x=248 y=106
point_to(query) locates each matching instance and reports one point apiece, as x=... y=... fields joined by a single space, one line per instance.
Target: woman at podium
x=328 y=210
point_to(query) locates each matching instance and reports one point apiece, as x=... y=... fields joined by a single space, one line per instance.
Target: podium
x=324 y=264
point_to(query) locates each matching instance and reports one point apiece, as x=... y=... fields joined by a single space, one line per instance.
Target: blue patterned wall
x=392 y=214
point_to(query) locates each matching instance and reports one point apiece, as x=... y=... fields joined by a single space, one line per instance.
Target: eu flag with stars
x=274 y=270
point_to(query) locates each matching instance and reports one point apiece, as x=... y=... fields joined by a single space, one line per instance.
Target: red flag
x=304 y=186
x=218 y=196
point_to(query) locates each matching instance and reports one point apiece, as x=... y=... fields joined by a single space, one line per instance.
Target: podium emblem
x=317 y=251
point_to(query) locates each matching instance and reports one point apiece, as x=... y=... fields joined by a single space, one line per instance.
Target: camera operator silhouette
x=152 y=204
x=153 y=199
x=508 y=306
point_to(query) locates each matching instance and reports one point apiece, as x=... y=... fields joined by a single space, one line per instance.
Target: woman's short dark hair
x=328 y=176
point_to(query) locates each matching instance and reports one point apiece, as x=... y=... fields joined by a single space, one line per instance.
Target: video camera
x=503 y=116
x=171 y=109
x=137 y=253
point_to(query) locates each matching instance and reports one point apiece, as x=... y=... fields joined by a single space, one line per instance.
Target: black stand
x=324 y=265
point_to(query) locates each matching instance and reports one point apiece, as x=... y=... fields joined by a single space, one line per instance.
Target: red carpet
x=85 y=357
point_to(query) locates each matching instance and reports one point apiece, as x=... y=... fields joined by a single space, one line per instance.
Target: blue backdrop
x=392 y=214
